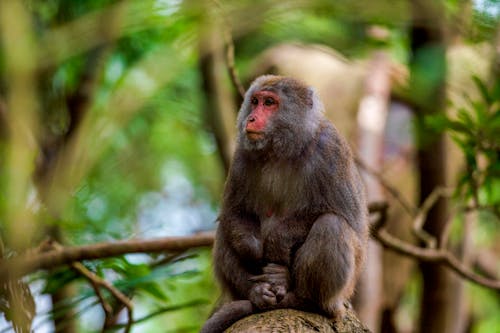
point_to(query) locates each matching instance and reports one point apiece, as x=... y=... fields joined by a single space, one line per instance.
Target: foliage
x=475 y=130
x=146 y=164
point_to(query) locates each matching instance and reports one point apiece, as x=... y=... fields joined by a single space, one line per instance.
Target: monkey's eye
x=269 y=101
x=254 y=101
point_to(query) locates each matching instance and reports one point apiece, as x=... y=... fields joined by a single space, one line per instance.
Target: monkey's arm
x=237 y=274
x=242 y=234
x=234 y=269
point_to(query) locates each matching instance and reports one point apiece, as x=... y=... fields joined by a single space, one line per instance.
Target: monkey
x=293 y=224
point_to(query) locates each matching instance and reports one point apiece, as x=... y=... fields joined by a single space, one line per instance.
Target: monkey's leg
x=227 y=315
x=324 y=269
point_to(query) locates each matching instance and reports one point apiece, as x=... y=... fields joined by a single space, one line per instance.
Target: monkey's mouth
x=254 y=135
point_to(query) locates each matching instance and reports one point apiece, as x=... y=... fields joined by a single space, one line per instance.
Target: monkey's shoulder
x=328 y=152
x=330 y=140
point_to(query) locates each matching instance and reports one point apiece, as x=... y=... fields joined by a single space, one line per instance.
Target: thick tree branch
x=25 y=264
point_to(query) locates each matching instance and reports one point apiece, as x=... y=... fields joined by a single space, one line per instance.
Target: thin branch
x=230 y=63
x=441 y=256
x=422 y=213
x=98 y=282
x=25 y=264
x=419 y=215
x=168 y=259
x=484 y=261
x=159 y=312
x=409 y=208
x=80 y=268
x=229 y=45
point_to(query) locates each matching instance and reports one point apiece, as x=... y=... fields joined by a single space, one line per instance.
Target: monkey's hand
x=262 y=296
x=278 y=276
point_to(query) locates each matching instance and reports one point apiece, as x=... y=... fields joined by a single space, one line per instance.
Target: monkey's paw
x=278 y=276
x=262 y=296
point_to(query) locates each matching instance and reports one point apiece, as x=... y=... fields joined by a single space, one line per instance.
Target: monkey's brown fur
x=293 y=224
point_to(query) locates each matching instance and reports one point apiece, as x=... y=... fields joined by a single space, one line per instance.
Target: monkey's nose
x=251 y=119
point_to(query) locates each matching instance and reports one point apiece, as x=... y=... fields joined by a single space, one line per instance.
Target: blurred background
x=117 y=122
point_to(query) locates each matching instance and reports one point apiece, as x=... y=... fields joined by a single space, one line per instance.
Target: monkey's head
x=279 y=114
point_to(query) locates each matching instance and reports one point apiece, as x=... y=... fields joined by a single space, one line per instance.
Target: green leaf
x=154 y=290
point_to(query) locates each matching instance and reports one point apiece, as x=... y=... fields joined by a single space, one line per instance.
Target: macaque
x=293 y=224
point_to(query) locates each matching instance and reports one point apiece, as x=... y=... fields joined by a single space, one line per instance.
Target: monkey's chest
x=280 y=190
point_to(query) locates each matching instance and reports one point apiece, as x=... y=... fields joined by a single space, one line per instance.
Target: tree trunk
x=428 y=74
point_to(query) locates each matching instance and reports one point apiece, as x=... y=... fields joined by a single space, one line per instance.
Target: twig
x=97 y=282
x=80 y=268
x=24 y=264
x=422 y=213
x=409 y=208
x=229 y=45
x=418 y=214
x=485 y=261
x=159 y=312
x=441 y=255
x=230 y=63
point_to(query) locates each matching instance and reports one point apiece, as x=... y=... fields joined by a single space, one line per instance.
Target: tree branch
x=28 y=263
x=441 y=256
x=24 y=264
x=97 y=282
x=421 y=215
x=228 y=41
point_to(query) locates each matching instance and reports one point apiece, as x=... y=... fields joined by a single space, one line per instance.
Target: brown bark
x=30 y=262
x=288 y=320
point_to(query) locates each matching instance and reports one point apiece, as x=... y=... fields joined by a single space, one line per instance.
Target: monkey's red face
x=264 y=104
